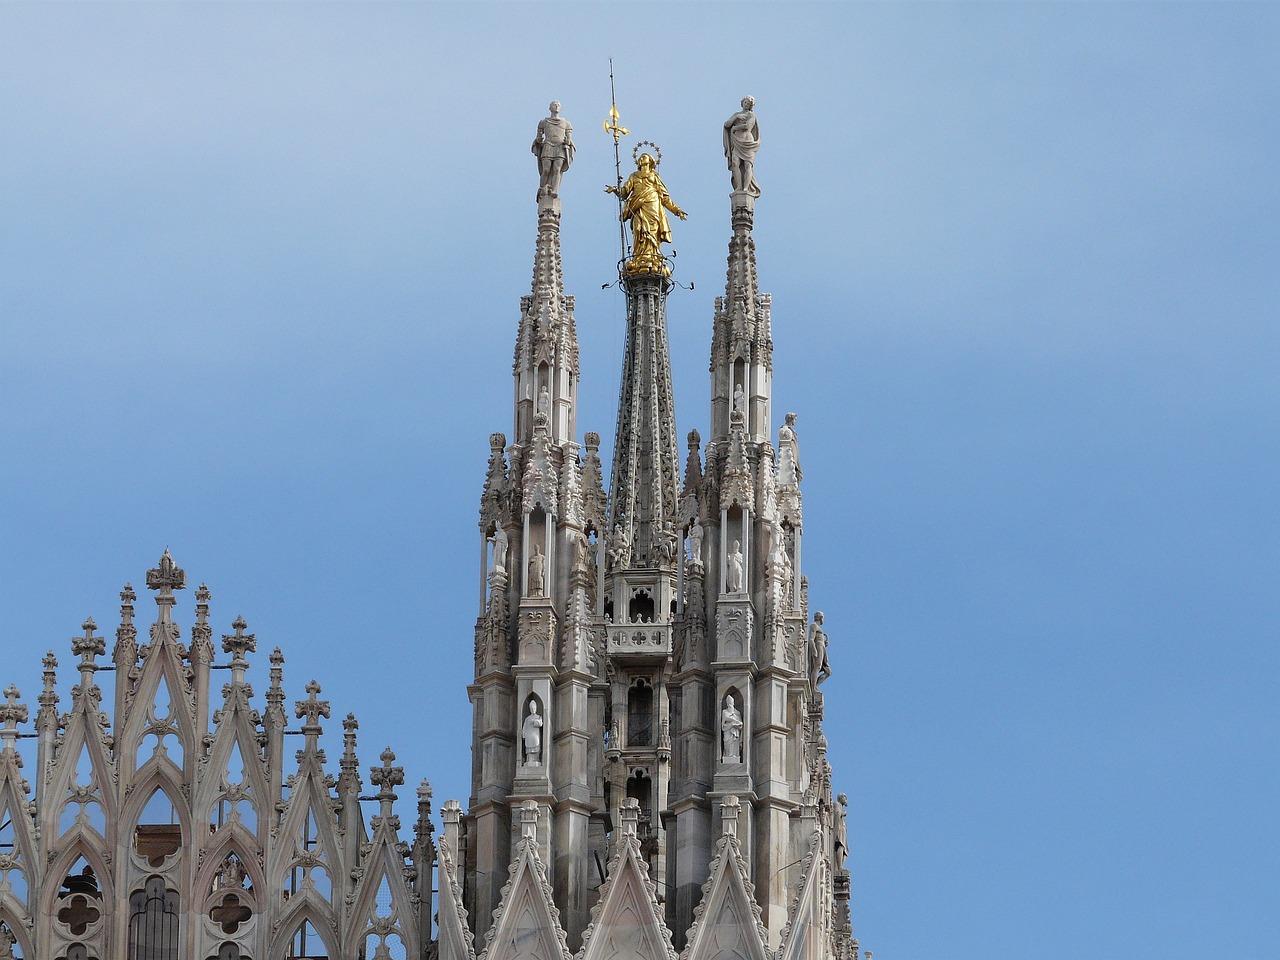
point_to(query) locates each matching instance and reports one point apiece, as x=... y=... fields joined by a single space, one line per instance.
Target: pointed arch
x=295 y=920
x=21 y=938
x=156 y=845
x=160 y=667
x=233 y=778
x=227 y=843
x=383 y=900
x=82 y=752
x=81 y=845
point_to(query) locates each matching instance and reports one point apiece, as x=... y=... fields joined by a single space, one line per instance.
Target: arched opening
x=640 y=714
x=158 y=834
x=608 y=610
x=79 y=903
x=640 y=788
x=309 y=868
x=161 y=730
x=383 y=947
x=10 y=946
x=306 y=944
x=228 y=951
x=640 y=608
x=153 y=922
x=231 y=901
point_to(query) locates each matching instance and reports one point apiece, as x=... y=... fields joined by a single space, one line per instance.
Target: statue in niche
x=739 y=400
x=741 y=141
x=537 y=573
x=730 y=732
x=788 y=453
x=840 y=846
x=695 y=541
x=544 y=403
x=819 y=665
x=737 y=566
x=499 y=539
x=553 y=146
x=532 y=735
x=6 y=942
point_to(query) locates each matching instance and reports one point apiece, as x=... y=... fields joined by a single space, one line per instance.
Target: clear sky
x=260 y=269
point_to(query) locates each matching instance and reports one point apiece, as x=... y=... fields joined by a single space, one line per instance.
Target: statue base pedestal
x=549 y=206
x=742 y=200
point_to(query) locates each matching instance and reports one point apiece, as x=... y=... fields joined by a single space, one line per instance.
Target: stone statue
x=819 y=665
x=645 y=203
x=544 y=402
x=537 y=573
x=788 y=453
x=695 y=541
x=6 y=943
x=670 y=542
x=499 y=539
x=532 y=733
x=619 y=547
x=730 y=732
x=739 y=400
x=553 y=146
x=741 y=141
x=736 y=568
x=840 y=846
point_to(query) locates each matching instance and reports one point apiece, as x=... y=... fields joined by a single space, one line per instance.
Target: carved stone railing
x=639 y=639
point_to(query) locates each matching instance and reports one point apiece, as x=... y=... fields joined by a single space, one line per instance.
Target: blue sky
x=259 y=276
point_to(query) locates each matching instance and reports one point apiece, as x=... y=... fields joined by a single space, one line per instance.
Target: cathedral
x=649 y=768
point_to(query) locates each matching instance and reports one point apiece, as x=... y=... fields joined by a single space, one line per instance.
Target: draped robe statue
x=741 y=141
x=645 y=203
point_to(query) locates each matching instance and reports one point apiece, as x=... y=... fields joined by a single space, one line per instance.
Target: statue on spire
x=645 y=203
x=553 y=146
x=741 y=141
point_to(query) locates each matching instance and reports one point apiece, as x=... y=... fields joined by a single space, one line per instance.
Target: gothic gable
x=526 y=925
x=626 y=923
x=727 y=925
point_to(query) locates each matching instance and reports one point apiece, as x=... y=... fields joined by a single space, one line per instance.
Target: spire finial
x=87 y=647
x=165 y=578
x=12 y=713
x=386 y=778
x=238 y=644
x=312 y=709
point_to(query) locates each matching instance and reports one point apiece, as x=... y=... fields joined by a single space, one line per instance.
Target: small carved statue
x=788 y=453
x=741 y=141
x=537 y=573
x=670 y=542
x=737 y=566
x=499 y=539
x=730 y=732
x=532 y=734
x=739 y=400
x=695 y=541
x=840 y=846
x=645 y=203
x=553 y=146
x=619 y=547
x=544 y=402
x=819 y=665
x=6 y=943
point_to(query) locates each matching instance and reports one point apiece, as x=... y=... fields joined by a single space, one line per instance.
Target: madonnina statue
x=645 y=203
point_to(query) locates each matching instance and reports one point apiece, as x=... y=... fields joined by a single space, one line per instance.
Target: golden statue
x=645 y=203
